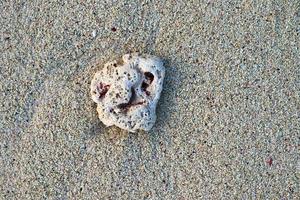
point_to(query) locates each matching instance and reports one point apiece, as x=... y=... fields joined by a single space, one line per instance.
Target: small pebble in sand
x=127 y=91
x=94 y=33
x=270 y=161
x=113 y=29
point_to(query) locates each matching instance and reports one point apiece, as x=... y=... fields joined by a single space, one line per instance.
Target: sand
x=228 y=120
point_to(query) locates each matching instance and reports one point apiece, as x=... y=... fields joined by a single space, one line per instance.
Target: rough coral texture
x=127 y=91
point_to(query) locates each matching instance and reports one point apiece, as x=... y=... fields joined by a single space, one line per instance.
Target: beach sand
x=228 y=120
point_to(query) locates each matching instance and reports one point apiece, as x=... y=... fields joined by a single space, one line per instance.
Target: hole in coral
x=102 y=89
x=144 y=86
x=149 y=77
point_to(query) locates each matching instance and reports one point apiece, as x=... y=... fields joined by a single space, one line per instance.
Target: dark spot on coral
x=131 y=102
x=102 y=89
x=144 y=86
x=123 y=106
x=158 y=74
x=113 y=29
x=133 y=96
x=149 y=77
x=138 y=103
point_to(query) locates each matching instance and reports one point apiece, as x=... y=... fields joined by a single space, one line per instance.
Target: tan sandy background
x=228 y=119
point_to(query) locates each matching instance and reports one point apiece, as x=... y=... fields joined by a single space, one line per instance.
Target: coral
x=127 y=91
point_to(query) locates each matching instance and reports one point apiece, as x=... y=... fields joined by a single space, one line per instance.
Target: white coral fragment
x=127 y=92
